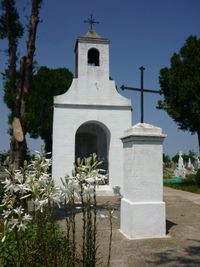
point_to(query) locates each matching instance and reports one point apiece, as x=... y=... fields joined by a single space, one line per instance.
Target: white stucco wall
x=102 y=71
x=67 y=120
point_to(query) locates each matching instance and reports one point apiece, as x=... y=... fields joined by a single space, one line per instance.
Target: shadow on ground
x=169 y=225
x=188 y=256
x=103 y=204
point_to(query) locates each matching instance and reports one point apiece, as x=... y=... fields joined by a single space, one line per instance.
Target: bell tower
x=92 y=56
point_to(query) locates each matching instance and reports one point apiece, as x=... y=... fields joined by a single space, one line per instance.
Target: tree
x=185 y=157
x=166 y=158
x=18 y=82
x=46 y=84
x=180 y=85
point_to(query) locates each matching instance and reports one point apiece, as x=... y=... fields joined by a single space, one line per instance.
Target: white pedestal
x=142 y=206
x=144 y=220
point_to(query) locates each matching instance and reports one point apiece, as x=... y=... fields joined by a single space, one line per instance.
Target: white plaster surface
x=143 y=182
x=67 y=121
x=142 y=219
x=143 y=129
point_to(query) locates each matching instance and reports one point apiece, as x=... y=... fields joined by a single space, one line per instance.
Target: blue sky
x=141 y=33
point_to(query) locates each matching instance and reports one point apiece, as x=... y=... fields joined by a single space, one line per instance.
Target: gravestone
x=196 y=164
x=180 y=170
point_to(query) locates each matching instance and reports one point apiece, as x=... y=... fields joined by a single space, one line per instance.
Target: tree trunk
x=18 y=152
x=18 y=149
x=18 y=143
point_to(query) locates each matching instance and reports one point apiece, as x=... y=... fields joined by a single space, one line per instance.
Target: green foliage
x=180 y=85
x=190 y=178
x=3 y=156
x=185 y=157
x=197 y=177
x=39 y=247
x=46 y=84
x=166 y=158
x=190 y=184
x=10 y=22
x=9 y=93
x=186 y=186
x=167 y=172
x=11 y=29
x=167 y=163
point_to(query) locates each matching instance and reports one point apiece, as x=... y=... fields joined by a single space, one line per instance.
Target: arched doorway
x=93 y=137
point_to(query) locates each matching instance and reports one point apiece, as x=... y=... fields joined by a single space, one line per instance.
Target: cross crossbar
x=141 y=90
x=91 y=21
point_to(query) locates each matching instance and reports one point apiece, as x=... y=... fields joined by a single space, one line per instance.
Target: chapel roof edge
x=91 y=36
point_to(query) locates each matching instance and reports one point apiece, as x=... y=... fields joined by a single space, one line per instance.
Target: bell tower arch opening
x=93 y=137
x=93 y=57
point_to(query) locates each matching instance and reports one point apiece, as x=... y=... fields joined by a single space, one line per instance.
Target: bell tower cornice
x=91 y=37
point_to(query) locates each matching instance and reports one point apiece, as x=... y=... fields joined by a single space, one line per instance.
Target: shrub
x=197 y=177
x=191 y=178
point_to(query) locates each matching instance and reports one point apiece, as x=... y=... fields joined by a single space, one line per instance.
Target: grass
x=189 y=186
x=191 y=183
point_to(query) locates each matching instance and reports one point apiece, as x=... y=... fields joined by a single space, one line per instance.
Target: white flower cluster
x=35 y=183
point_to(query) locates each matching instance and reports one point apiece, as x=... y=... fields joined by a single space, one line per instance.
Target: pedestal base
x=142 y=219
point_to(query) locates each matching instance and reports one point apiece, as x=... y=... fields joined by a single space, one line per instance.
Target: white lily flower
x=89 y=191
x=37 y=152
x=21 y=227
x=39 y=204
x=8 y=185
x=26 y=218
x=90 y=180
x=19 y=176
x=57 y=200
x=3 y=239
x=26 y=196
x=19 y=211
x=13 y=223
x=76 y=186
x=21 y=187
x=6 y=213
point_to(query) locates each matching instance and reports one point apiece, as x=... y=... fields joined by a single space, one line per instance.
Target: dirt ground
x=180 y=247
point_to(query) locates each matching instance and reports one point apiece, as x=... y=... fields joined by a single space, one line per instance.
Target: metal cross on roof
x=91 y=21
x=141 y=90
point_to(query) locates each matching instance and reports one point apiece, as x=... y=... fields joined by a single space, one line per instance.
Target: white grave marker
x=142 y=206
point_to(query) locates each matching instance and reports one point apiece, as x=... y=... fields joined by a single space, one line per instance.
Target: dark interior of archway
x=91 y=138
x=86 y=144
x=93 y=57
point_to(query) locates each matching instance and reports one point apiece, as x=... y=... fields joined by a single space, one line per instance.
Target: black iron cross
x=91 y=21
x=141 y=90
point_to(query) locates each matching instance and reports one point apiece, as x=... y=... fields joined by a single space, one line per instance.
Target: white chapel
x=91 y=116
